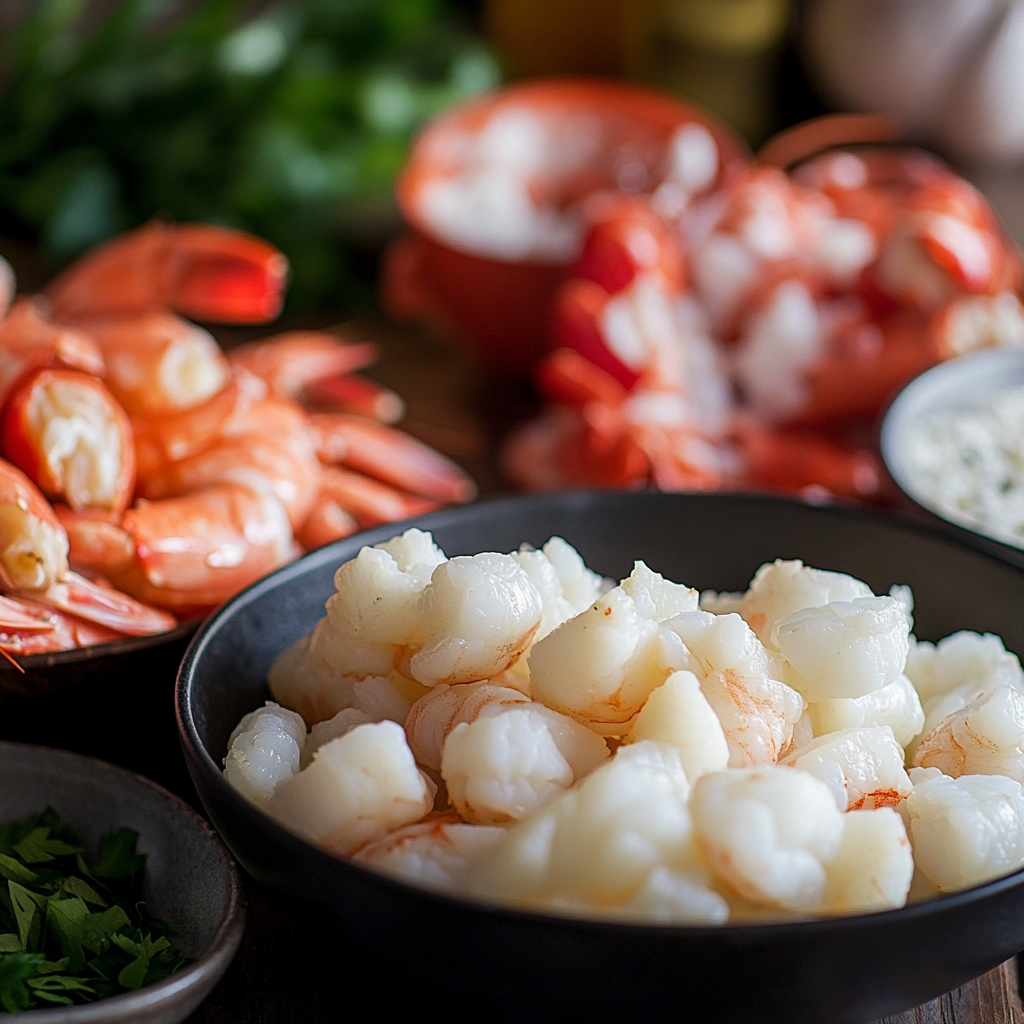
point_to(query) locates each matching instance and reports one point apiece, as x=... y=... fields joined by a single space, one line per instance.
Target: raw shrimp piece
x=66 y=431
x=265 y=747
x=596 y=844
x=863 y=768
x=378 y=591
x=965 y=831
x=378 y=697
x=334 y=728
x=984 y=738
x=758 y=713
x=512 y=760
x=874 y=867
x=896 y=705
x=566 y=586
x=780 y=588
x=479 y=613
x=159 y=363
x=601 y=666
x=437 y=852
x=288 y=362
x=358 y=788
x=198 y=270
x=845 y=648
x=675 y=897
x=385 y=453
x=678 y=713
x=768 y=833
x=433 y=716
x=28 y=341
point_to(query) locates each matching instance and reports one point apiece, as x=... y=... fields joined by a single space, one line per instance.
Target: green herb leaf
x=11 y=868
x=134 y=974
x=10 y=943
x=15 y=969
x=37 y=847
x=25 y=905
x=77 y=887
x=118 y=858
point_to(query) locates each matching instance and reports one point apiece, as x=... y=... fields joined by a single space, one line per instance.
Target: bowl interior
x=967 y=382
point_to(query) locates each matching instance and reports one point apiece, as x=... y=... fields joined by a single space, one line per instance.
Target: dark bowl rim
x=215 y=958
x=198 y=754
x=886 y=436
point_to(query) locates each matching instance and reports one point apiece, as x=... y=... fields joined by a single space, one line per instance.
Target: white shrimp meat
x=896 y=705
x=358 y=788
x=768 y=833
x=964 y=831
x=874 y=867
x=265 y=747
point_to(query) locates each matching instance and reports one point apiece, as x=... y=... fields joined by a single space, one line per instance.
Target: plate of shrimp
x=539 y=872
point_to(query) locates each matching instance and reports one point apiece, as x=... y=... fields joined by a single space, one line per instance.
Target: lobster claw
x=198 y=270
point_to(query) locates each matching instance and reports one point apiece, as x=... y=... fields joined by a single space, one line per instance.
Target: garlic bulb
x=952 y=71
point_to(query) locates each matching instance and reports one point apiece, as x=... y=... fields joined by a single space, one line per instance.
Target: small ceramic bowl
x=191 y=880
x=968 y=382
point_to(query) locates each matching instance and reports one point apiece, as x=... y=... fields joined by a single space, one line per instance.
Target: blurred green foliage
x=291 y=121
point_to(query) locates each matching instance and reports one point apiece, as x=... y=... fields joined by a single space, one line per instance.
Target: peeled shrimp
x=358 y=788
x=601 y=666
x=758 y=713
x=874 y=866
x=265 y=747
x=986 y=737
x=437 y=852
x=965 y=831
x=781 y=588
x=845 y=648
x=678 y=713
x=768 y=833
x=863 y=768
x=595 y=845
x=896 y=705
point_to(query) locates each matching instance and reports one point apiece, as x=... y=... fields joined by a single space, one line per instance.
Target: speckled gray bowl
x=191 y=880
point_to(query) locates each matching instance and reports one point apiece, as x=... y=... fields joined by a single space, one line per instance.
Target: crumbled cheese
x=968 y=464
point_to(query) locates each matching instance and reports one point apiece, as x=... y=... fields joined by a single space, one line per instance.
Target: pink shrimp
x=198 y=270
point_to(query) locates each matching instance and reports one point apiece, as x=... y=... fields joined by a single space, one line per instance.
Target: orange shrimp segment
x=290 y=362
x=348 y=392
x=106 y=607
x=33 y=545
x=198 y=270
x=158 y=363
x=97 y=543
x=195 y=551
x=327 y=522
x=370 y=501
x=28 y=341
x=389 y=455
x=66 y=431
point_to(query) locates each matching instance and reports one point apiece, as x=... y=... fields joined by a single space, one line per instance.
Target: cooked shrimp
x=758 y=712
x=601 y=666
x=965 y=831
x=479 y=614
x=863 y=768
x=437 y=852
x=198 y=270
x=265 y=747
x=768 y=833
x=594 y=846
x=513 y=758
x=66 y=431
x=368 y=502
x=679 y=714
x=874 y=866
x=986 y=737
x=781 y=588
x=359 y=788
x=845 y=648
x=896 y=706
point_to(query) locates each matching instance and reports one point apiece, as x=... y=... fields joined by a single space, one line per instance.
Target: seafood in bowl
x=514 y=727
x=145 y=474
x=572 y=965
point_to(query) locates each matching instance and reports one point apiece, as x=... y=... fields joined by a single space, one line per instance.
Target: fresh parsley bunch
x=74 y=930
x=289 y=120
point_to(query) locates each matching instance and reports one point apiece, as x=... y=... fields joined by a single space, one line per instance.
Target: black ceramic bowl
x=79 y=700
x=834 y=970
x=191 y=881
x=968 y=382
